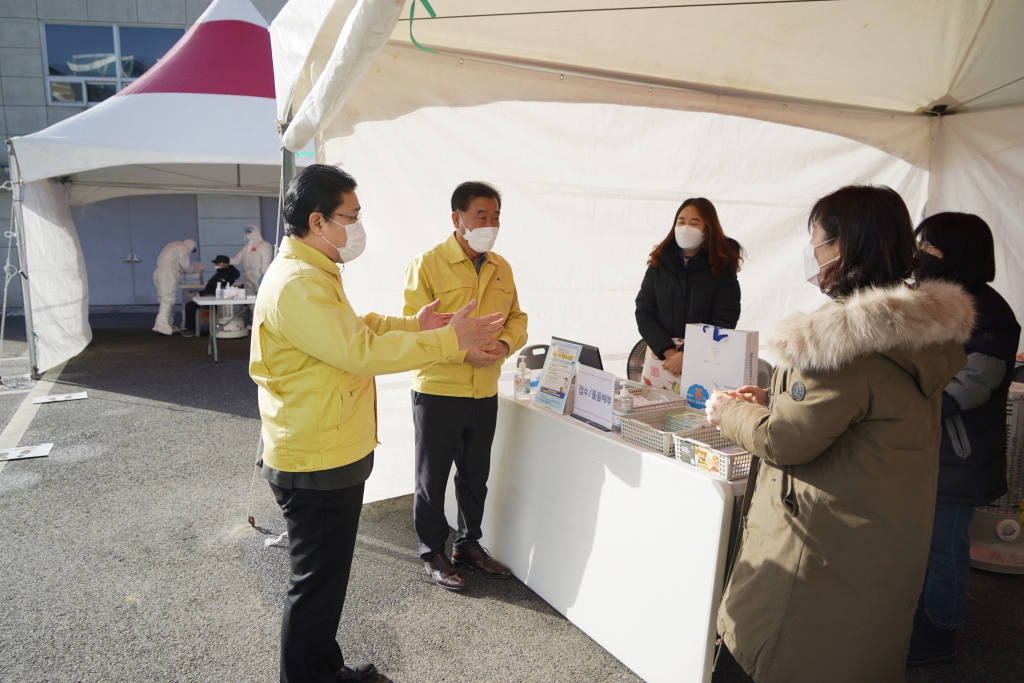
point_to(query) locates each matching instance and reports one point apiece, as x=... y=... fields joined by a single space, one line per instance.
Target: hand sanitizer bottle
x=219 y=294
x=623 y=407
x=522 y=380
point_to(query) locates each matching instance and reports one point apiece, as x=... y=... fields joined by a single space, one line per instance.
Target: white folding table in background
x=214 y=304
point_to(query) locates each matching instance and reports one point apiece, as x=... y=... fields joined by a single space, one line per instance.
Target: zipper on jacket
x=341 y=420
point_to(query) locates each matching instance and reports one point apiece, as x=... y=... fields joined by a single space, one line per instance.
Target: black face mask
x=932 y=268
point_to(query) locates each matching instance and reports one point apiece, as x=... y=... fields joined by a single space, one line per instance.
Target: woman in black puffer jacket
x=691 y=279
x=972 y=459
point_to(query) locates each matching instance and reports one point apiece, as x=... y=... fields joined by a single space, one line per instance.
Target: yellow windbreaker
x=446 y=273
x=314 y=361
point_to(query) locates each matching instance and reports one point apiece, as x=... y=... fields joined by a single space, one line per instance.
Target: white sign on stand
x=595 y=396
x=556 y=379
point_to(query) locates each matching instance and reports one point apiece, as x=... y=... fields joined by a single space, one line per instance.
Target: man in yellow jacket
x=314 y=359
x=455 y=404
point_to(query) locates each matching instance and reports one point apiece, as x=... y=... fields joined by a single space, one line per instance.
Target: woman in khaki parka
x=836 y=540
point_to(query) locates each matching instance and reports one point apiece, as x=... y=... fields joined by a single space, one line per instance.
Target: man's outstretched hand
x=473 y=332
x=430 y=319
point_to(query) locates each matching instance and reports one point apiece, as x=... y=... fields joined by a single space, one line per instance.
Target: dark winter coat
x=836 y=541
x=226 y=275
x=673 y=296
x=972 y=459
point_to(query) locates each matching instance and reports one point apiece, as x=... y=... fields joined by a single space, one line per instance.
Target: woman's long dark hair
x=875 y=234
x=724 y=254
x=968 y=250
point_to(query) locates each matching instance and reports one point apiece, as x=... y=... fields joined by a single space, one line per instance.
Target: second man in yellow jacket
x=455 y=404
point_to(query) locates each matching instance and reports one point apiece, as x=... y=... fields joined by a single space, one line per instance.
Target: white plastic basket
x=709 y=450
x=647 y=430
x=1010 y=502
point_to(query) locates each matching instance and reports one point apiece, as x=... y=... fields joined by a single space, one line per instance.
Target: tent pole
x=17 y=192
x=287 y=166
x=287 y=173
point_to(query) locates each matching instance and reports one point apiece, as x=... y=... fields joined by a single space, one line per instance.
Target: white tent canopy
x=596 y=119
x=936 y=85
x=201 y=120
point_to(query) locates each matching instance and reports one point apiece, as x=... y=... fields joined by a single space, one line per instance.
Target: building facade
x=59 y=57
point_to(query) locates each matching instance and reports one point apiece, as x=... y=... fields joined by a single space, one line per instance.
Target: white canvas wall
x=588 y=190
x=56 y=268
x=978 y=167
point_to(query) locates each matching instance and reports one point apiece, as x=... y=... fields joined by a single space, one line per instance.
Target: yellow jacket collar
x=453 y=250
x=293 y=248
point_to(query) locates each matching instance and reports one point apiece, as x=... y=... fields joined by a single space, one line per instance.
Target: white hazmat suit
x=254 y=258
x=170 y=264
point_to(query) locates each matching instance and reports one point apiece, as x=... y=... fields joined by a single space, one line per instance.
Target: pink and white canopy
x=201 y=120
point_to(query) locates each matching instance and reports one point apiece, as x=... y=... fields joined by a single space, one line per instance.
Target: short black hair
x=467 y=192
x=968 y=250
x=875 y=234
x=316 y=189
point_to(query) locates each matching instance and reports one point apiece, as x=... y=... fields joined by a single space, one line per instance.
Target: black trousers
x=321 y=539
x=451 y=430
x=189 y=321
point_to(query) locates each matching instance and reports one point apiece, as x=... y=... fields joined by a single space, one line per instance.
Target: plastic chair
x=535 y=356
x=1018 y=374
x=635 y=362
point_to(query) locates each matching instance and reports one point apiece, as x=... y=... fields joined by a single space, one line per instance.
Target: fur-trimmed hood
x=895 y=321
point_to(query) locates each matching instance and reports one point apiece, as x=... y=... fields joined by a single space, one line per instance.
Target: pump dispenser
x=522 y=380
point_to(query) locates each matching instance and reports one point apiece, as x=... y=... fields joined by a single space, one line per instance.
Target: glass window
x=80 y=50
x=66 y=92
x=142 y=47
x=98 y=92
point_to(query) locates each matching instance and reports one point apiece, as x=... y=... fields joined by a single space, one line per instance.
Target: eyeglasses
x=356 y=218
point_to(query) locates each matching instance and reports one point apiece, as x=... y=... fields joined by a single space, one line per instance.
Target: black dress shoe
x=349 y=674
x=444 y=573
x=931 y=645
x=481 y=562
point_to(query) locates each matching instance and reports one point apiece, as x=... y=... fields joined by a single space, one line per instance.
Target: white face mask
x=811 y=268
x=251 y=236
x=689 y=237
x=481 y=240
x=355 y=241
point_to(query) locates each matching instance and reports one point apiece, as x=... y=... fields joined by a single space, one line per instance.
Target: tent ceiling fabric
x=893 y=57
x=889 y=55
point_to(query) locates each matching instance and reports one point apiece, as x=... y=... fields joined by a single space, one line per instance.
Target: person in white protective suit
x=254 y=258
x=174 y=259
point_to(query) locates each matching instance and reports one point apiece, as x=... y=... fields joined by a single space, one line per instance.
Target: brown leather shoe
x=444 y=573
x=353 y=674
x=481 y=562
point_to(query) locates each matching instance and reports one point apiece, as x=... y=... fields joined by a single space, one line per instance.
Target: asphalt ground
x=125 y=555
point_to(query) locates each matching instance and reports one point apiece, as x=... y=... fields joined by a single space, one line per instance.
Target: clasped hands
x=720 y=399
x=477 y=336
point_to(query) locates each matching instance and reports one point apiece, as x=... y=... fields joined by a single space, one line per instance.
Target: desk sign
x=556 y=377
x=595 y=392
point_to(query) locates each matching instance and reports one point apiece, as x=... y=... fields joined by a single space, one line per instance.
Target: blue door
x=121 y=239
x=155 y=221
x=104 y=232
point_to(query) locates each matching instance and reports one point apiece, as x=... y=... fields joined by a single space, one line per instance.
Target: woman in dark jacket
x=691 y=279
x=958 y=247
